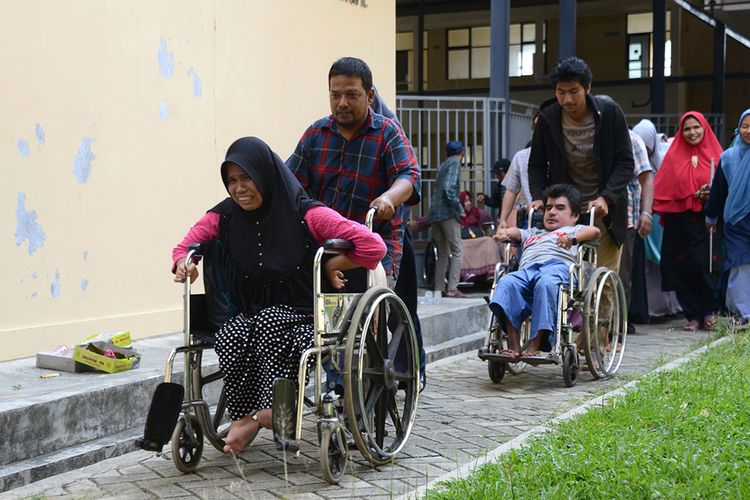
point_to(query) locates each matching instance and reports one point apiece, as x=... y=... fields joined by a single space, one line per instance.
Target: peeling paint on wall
x=27 y=228
x=163 y=109
x=166 y=60
x=23 y=147
x=54 y=288
x=40 y=135
x=84 y=284
x=82 y=162
x=197 y=84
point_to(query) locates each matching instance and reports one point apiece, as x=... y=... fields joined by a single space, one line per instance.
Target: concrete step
x=54 y=425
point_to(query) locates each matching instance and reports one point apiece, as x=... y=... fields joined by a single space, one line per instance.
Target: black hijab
x=267 y=246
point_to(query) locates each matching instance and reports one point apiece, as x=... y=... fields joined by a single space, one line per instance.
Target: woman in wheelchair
x=269 y=231
x=547 y=255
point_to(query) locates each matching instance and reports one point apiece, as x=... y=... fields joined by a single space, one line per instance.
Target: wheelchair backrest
x=210 y=311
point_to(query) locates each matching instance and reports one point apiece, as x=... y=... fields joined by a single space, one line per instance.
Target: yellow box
x=91 y=354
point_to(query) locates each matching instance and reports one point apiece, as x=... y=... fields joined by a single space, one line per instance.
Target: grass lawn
x=679 y=434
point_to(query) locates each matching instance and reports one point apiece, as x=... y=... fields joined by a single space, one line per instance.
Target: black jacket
x=613 y=154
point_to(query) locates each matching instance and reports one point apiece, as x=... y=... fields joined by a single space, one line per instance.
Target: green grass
x=680 y=434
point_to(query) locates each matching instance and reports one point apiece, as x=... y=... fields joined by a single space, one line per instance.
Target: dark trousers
x=406 y=289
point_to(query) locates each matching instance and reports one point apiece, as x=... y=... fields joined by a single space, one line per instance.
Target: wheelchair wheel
x=604 y=323
x=333 y=451
x=570 y=368
x=380 y=422
x=187 y=447
x=428 y=269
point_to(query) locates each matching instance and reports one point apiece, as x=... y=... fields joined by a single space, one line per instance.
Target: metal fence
x=478 y=122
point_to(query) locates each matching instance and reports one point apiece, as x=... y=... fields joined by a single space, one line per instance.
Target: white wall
x=114 y=118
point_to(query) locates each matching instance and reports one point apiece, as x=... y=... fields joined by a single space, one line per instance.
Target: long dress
x=736 y=232
x=685 y=250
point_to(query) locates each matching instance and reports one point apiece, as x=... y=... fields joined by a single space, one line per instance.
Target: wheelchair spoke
x=396 y=340
x=381 y=410
x=374 y=351
x=373 y=397
x=393 y=410
x=405 y=376
x=373 y=374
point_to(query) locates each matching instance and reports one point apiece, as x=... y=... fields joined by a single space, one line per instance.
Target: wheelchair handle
x=371 y=212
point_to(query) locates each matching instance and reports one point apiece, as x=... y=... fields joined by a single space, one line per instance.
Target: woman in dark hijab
x=269 y=231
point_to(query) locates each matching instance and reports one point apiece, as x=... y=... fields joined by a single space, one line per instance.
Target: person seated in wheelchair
x=546 y=257
x=269 y=230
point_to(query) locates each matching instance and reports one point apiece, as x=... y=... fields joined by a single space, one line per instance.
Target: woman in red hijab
x=681 y=187
x=471 y=218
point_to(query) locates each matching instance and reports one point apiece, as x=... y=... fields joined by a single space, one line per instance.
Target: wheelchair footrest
x=162 y=416
x=550 y=358
x=284 y=414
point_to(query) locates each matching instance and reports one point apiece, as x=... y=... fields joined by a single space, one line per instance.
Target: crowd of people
x=684 y=207
x=672 y=214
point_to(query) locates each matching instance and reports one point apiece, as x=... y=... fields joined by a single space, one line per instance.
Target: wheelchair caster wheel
x=187 y=447
x=334 y=451
x=496 y=371
x=570 y=369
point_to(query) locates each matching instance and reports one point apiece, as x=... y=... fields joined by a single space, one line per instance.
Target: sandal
x=455 y=294
x=691 y=326
x=709 y=323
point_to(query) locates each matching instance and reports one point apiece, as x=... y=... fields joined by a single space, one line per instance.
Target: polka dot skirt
x=253 y=351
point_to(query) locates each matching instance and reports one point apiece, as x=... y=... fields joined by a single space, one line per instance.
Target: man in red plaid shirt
x=355 y=159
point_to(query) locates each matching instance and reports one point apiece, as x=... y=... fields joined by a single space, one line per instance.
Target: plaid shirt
x=347 y=175
x=640 y=160
x=445 y=204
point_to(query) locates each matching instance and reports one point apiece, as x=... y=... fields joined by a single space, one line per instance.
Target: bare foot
x=241 y=434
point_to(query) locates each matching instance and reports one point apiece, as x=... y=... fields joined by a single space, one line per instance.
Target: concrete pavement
x=461 y=415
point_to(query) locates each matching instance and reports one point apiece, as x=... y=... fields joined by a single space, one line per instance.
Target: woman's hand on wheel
x=180 y=271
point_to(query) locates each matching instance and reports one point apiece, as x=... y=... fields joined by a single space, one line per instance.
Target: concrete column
x=720 y=52
x=567 y=45
x=658 y=82
x=420 y=48
x=499 y=81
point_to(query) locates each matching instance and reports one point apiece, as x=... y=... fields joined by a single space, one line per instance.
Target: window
x=640 y=46
x=469 y=53
x=406 y=73
x=522 y=49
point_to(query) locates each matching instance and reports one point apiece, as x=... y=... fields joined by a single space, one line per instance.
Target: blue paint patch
x=82 y=162
x=54 y=288
x=85 y=255
x=40 y=135
x=84 y=284
x=166 y=60
x=197 y=84
x=164 y=109
x=23 y=147
x=33 y=274
x=27 y=227
x=33 y=295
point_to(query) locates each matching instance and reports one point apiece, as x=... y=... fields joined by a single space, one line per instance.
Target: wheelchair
x=586 y=325
x=359 y=334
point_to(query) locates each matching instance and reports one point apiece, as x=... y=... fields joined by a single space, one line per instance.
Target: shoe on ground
x=454 y=294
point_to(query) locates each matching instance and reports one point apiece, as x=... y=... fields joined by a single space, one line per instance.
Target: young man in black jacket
x=583 y=140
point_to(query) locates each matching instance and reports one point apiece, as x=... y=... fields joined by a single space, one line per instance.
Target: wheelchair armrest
x=196 y=249
x=338 y=246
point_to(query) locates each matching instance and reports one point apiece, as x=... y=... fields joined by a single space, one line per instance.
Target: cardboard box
x=93 y=355
x=64 y=362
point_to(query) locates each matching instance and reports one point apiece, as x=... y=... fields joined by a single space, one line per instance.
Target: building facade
x=115 y=118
